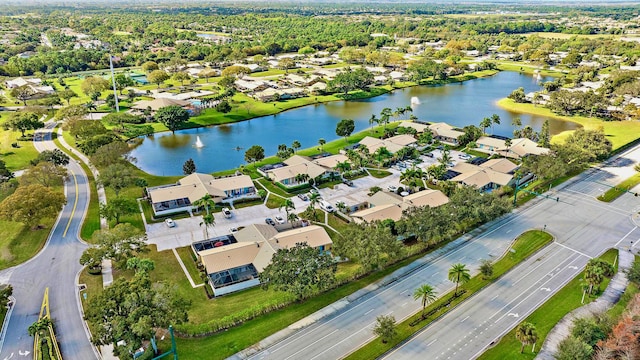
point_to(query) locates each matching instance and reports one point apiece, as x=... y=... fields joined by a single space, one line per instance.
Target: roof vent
x=257 y=244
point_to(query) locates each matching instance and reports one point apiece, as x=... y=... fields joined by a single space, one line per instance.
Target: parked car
x=303 y=197
x=464 y=156
x=347 y=182
x=226 y=212
x=326 y=206
x=280 y=219
x=429 y=154
x=170 y=223
x=270 y=221
x=392 y=188
x=313 y=191
x=233 y=230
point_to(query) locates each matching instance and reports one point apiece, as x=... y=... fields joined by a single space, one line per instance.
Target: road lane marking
x=624 y=237
x=436 y=273
x=532 y=270
x=75 y=204
x=404 y=291
x=369 y=311
x=432 y=341
x=304 y=348
x=404 y=304
x=464 y=320
x=578 y=252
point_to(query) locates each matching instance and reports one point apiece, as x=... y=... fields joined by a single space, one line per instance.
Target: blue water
x=458 y=104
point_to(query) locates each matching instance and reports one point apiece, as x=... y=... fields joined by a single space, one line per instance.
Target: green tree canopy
x=345 y=128
x=30 y=204
x=172 y=116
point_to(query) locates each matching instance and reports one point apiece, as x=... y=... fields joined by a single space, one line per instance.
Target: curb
x=7 y=317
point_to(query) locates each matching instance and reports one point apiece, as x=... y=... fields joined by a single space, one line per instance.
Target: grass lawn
x=506 y=65
x=617 y=191
x=546 y=317
x=337 y=223
x=15 y=158
x=553 y=35
x=18 y=243
x=93 y=288
x=186 y=255
x=378 y=173
x=525 y=245
x=620 y=133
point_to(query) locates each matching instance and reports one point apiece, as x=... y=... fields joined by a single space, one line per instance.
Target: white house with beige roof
x=237 y=266
x=486 y=176
x=386 y=205
x=445 y=133
x=519 y=148
x=393 y=144
x=289 y=175
x=180 y=196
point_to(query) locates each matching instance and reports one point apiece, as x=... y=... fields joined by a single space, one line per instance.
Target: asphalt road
x=55 y=267
x=583 y=228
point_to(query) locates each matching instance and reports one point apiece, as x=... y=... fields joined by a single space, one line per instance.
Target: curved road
x=55 y=267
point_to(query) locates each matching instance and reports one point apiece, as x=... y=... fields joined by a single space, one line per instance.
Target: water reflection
x=456 y=104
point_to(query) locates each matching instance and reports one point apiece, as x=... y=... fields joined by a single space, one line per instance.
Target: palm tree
x=373 y=120
x=484 y=124
x=40 y=325
x=343 y=166
x=341 y=206
x=321 y=142
x=516 y=122
x=385 y=114
x=526 y=333
x=288 y=205
x=206 y=201
x=459 y=274
x=292 y=217
x=208 y=221
x=427 y=294
x=445 y=158
x=495 y=119
x=91 y=106
x=314 y=199
x=295 y=146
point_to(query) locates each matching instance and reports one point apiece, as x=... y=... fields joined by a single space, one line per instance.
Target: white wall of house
x=235 y=287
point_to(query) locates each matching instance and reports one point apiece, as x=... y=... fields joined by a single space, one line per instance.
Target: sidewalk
x=107 y=275
x=609 y=298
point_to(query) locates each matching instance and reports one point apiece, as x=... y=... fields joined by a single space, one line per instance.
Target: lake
x=458 y=104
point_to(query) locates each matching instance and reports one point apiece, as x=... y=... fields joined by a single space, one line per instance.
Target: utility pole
x=113 y=81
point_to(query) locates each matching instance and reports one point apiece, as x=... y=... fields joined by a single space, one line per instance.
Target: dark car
x=270 y=221
x=347 y=182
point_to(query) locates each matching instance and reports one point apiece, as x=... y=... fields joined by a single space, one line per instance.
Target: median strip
x=523 y=247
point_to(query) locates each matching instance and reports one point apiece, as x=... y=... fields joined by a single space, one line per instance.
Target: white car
x=226 y=212
x=464 y=156
x=392 y=188
x=233 y=230
x=326 y=206
x=170 y=223
x=279 y=219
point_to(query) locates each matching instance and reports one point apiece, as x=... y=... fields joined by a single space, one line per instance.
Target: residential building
x=236 y=266
x=393 y=144
x=34 y=83
x=299 y=169
x=387 y=205
x=486 y=176
x=419 y=127
x=180 y=196
x=445 y=133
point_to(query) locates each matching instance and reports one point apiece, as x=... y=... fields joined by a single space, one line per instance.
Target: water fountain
x=198 y=143
x=415 y=100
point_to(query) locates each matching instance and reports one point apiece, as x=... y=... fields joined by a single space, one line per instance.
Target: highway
x=56 y=267
x=582 y=226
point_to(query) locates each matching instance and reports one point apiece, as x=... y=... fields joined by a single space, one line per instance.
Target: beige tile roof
x=445 y=130
x=233 y=255
x=297 y=159
x=504 y=166
x=410 y=124
x=379 y=213
x=314 y=235
x=482 y=178
x=255 y=232
x=384 y=198
x=288 y=172
x=260 y=251
x=197 y=185
x=489 y=141
x=403 y=140
x=431 y=198
x=374 y=144
x=523 y=147
x=330 y=162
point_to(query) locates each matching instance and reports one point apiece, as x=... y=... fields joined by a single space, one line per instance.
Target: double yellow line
x=75 y=204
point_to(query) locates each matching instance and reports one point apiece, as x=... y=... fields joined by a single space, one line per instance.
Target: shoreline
x=620 y=133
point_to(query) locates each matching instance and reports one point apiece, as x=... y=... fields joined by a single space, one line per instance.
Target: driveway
x=189 y=230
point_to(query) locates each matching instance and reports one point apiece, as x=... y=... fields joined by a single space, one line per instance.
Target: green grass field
x=546 y=317
x=620 y=133
x=15 y=158
x=18 y=243
x=524 y=246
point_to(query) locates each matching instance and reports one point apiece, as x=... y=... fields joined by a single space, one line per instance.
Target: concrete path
x=609 y=298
